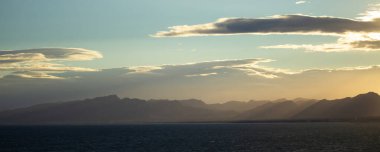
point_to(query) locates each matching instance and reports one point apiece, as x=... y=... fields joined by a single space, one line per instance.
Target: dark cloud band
x=287 y=24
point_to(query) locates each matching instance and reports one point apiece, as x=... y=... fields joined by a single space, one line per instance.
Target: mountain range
x=114 y=110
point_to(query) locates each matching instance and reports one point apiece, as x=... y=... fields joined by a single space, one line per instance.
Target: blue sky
x=120 y=30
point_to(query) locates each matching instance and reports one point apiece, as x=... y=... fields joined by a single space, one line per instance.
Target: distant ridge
x=114 y=110
x=360 y=106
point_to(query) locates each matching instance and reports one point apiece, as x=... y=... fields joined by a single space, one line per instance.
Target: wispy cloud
x=300 y=2
x=373 y=13
x=202 y=74
x=347 y=42
x=144 y=69
x=31 y=75
x=38 y=63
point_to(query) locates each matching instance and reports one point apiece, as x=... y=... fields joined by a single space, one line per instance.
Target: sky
x=53 y=50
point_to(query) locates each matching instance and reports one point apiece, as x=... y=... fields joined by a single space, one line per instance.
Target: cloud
x=367 y=44
x=279 y=24
x=360 y=34
x=144 y=69
x=42 y=67
x=29 y=74
x=249 y=67
x=372 y=14
x=212 y=81
x=300 y=2
x=202 y=74
x=37 y=63
x=68 y=54
x=21 y=57
x=348 y=42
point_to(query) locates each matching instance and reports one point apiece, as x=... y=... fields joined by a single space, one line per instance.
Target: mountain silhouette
x=360 y=106
x=237 y=106
x=274 y=111
x=114 y=110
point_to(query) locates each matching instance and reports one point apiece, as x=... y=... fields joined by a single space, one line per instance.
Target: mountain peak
x=192 y=102
x=367 y=96
x=107 y=98
x=373 y=93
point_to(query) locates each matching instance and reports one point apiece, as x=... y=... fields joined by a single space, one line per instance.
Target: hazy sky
x=234 y=47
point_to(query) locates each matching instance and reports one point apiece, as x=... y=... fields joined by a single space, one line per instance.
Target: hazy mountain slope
x=272 y=111
x=237 y=106
x=111 y=109
x=360 y=106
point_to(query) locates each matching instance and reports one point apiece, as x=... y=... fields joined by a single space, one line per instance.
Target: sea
x=194 y=137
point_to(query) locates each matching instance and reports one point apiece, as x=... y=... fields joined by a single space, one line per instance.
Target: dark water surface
x=255 y=137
